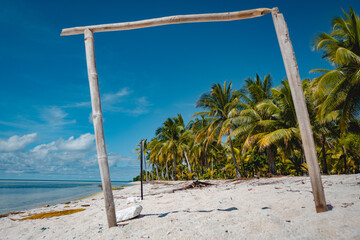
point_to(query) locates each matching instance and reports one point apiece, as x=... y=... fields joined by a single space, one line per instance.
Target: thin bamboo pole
x=141 y=168
x=98 y=128
x=302 y=114
x=209 y=17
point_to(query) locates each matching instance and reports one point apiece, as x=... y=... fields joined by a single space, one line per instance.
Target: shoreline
x=283 y=208
x=23 y=195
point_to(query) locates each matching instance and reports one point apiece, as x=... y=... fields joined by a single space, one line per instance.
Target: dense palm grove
x=253 y=131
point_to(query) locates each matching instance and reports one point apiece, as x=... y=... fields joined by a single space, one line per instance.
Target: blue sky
x=145 y=75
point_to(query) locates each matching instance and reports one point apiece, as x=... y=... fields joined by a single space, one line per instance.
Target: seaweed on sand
x=52 y=214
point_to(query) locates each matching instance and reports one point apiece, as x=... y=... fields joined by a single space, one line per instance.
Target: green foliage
x=253 y=131
x=339 y=88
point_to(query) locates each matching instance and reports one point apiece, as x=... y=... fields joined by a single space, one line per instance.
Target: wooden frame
x=291 y=71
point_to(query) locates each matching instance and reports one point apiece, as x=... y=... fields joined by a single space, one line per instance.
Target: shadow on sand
x=161 y=215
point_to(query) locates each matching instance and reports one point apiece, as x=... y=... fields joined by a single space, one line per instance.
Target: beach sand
x=271 y=208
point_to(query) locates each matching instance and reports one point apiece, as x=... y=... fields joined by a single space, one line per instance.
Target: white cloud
x=16 y=143
x=115 y=97
x=79 y=104
x=114 y=159
x=121 y=101
x=75 y=156
x=141 y=107
x=84 y=143
x=55 y=116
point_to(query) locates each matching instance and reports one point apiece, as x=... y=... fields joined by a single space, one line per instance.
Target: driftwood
x=209 y=17
x=195 y=184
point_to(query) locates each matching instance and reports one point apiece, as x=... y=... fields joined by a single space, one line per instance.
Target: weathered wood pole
x=141 y=168
x=208 y=17
x=302 y=114
x=98 y=128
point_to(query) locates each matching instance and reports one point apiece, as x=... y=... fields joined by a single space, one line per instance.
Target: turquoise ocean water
x=17 y=195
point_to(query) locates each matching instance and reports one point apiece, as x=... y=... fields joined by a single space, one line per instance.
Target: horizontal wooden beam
x=209 y=17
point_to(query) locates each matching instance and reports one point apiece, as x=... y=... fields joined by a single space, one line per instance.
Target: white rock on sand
x=128 y=213
x=274 y=208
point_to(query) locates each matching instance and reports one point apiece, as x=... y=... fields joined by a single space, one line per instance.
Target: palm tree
x=169 y=134
x=220 y=104
x=199 y=127
x=253 y=122
x=257 y=90
x=340 y=87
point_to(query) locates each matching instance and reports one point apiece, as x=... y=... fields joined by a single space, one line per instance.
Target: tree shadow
x=162 y=215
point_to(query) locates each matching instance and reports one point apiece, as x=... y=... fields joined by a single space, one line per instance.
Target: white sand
x=226 y=210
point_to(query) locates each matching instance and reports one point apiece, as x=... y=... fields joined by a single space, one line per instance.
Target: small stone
x=133 y=200
x=128 y=213
x=226 y=231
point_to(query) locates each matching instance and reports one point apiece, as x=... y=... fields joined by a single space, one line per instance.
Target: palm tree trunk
x=167 y=170
x=187 y=161
x=205 y=158
x=174 y=170
x=357 y=164
x=243 y=167
x=302 y=160
x=162 y=172
x=146 y=171
x=202 y=164
x=345 y=158
x=271 y=159
x=238 y=174
x=157 y=172
x=324 y=163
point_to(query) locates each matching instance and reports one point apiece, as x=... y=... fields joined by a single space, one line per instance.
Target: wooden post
x=98 y=128
x=302 y=114
x=208 y=17
x=141 y=168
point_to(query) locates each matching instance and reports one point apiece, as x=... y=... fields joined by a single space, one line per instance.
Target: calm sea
x=17 y=195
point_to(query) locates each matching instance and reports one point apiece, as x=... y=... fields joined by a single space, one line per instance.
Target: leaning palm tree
x=340 y=87
x=220 y=103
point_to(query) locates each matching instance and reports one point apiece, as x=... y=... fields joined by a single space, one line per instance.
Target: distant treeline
x=253 y=131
